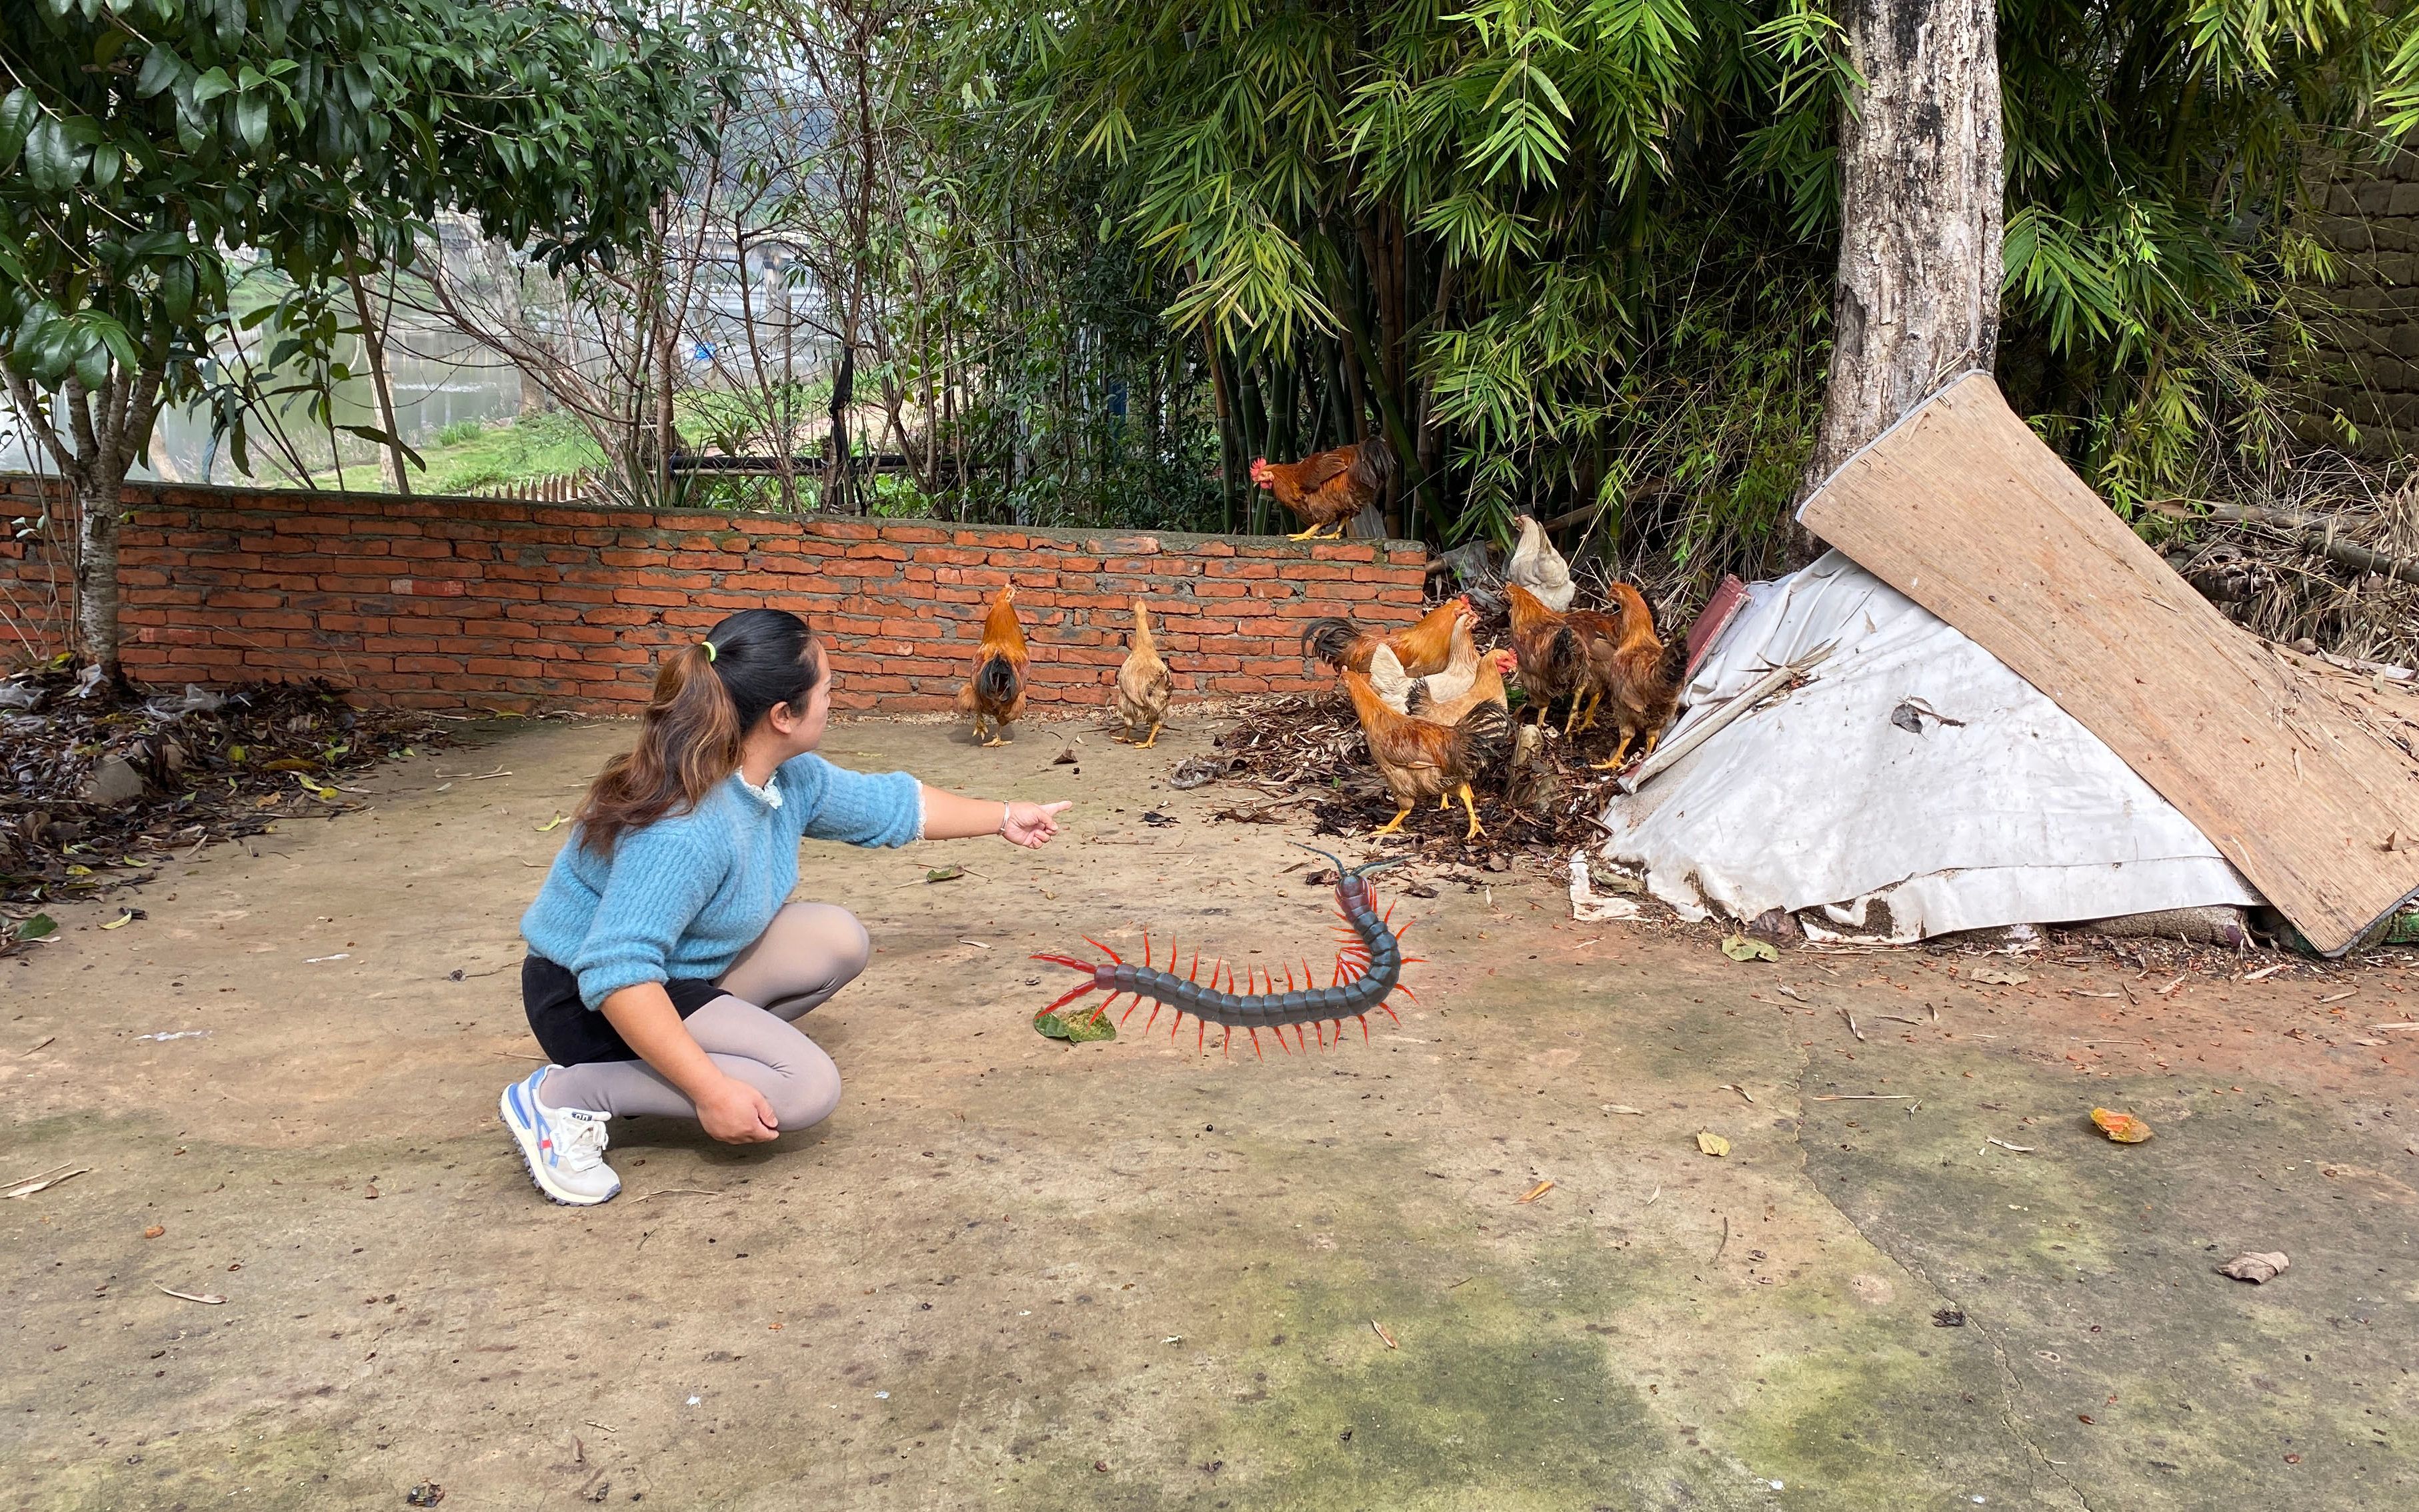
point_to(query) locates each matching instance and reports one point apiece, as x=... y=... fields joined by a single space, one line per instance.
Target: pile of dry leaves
x=101 y=785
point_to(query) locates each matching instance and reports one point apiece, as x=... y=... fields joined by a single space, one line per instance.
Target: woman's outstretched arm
x=955 y=816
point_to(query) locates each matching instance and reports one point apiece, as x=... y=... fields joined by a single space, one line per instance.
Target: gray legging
x=809 y=952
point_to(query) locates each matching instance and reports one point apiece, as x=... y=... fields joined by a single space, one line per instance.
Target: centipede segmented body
x=1368 y=968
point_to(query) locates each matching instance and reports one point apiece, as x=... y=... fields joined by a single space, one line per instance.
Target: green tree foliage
x=155 y=154
x=1575 y=254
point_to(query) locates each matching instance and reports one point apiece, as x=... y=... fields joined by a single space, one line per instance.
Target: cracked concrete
x=1014 y=1273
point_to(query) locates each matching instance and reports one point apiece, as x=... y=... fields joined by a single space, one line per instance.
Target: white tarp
x=2013 y=814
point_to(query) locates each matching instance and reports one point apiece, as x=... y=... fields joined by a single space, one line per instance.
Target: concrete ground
x=1015 y=1273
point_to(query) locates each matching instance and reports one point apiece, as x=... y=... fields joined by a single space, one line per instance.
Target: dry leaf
x=1623 y=1108
x=2123 y=1128
x=154 y=1231
x=121 y=921
x=2255 y=1267
x=1384 y=1334
x=1538 y=1191
x=555 y=823
x=1739 y=948
x=944 y=873
x=1993 y=977
x=1711 y=1144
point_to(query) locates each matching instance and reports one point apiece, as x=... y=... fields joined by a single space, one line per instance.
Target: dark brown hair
x=707 y=697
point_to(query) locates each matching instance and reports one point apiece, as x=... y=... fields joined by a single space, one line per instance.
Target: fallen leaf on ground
x=555 y=823
x=1739 y=948
x=1384 y=1334
x=38 y=927
x=1623 y=1108
x=154 y=1231
x=1993 y=977
x=121 y=921
x=1711 y=1144
x=2256 y=1267
x=944 y=873
x=1538 y=1191
x=2123 y=1128
x=1082 y=1026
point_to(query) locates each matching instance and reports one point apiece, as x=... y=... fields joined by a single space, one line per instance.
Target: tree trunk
x=1921 y=202
x=374 y=349
x=97 y=504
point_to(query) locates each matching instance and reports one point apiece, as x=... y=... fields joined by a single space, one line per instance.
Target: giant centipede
x=1369 y=969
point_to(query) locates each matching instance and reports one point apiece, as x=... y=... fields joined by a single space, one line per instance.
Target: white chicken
x=1537 y=566
x=1418 y=696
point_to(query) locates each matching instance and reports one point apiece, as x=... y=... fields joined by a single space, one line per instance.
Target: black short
x=573 y=1034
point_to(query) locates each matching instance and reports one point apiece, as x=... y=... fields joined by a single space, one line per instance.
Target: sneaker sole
x=523 y=1142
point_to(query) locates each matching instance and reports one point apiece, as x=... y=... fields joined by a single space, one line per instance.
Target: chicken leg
x=1392 y=825
x=1472 y=809
x=1615 y=760
x=1317 y=532
x=1153 y=739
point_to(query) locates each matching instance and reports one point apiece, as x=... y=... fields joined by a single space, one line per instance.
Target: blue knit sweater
x=682 y=897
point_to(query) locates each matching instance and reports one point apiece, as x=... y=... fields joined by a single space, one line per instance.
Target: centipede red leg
x=1254 y=1031
x=1062 y=1002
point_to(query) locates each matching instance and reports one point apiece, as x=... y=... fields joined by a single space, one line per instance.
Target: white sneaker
x=563 y=1147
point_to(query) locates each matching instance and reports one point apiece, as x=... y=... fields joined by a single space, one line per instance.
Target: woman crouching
x=665 y=970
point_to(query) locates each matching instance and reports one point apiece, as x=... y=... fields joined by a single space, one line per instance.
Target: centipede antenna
x=1105 y=950
x=1341 y=870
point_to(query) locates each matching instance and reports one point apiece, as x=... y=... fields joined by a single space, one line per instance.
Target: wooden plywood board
x=2309 y=788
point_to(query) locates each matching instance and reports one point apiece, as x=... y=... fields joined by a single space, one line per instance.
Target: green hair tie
x=709 y=649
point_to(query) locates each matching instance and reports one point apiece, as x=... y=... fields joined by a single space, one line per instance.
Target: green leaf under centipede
x=1081 y=1025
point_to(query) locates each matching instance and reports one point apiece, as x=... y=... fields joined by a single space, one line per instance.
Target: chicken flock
x=1433 y=708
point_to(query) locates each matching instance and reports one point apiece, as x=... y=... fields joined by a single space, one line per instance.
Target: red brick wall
x=483 y=603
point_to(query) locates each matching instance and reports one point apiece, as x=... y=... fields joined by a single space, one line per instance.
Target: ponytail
x=708 y=696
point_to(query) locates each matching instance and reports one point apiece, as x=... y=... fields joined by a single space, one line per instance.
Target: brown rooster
x=1423 y=649
x=994 y=694
x=1144 y=685
x=1638 y=674
x=1421 y=760
x=1553 y=663
x=1329 y=488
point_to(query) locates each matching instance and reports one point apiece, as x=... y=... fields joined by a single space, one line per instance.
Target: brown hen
x=994 y=694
